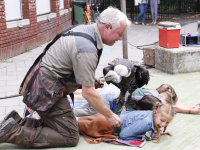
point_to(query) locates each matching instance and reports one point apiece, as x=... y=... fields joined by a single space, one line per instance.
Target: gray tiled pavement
x=13 y=70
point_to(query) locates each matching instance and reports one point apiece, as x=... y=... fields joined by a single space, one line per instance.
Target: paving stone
x=17 y=73
x=20 y=78
x=16 y=92
x=19 y=109
x=2 y=94
x=2 y=83
x=2 y=111
x=8 y=88
x=9 y=102
x=22 y=69
x=7 y=78
x=2 y=73
x=29 y=63
x=11 y=68
x=21 y=64
x=17 y=82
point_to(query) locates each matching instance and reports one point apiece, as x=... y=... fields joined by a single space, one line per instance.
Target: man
x=69 y=54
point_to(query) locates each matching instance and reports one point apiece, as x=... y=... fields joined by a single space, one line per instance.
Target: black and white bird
x=127 y=75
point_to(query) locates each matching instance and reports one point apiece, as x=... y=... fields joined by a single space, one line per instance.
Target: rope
x=139 y=47
x=16 y=95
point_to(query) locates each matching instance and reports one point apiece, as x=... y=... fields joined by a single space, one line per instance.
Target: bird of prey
x=127 y=75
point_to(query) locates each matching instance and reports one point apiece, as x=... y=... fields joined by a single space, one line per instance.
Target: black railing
x=167 y=9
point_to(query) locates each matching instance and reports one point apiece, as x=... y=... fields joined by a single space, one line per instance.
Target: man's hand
x=93 y=98
x=99 y=83
x=114 y=120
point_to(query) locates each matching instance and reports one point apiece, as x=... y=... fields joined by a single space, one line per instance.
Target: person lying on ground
x=135 y=124
x=111 y=92
x=139 y=93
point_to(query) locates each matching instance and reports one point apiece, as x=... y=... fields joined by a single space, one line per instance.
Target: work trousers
x=57 y=128
x=60 y=127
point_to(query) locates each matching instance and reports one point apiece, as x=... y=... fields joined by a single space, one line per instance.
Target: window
x=13 y=9
x=43 y=7
x=61 y=4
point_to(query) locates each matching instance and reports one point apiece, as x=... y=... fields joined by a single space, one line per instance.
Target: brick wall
x=17 y=40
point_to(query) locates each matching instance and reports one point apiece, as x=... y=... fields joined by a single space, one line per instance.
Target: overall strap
x=42 y=54
x=84 y=35
x=57 y=37
x=89 y=38
x=99 y=55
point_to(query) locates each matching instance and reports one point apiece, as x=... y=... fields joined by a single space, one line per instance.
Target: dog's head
x=169 y=89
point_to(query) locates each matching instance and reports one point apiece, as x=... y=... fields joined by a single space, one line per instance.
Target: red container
x=169 y=34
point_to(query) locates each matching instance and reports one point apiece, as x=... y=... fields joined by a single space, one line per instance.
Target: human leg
x=11 y=132
x=141 y=8
x=28 y=122
x=152 y=10
x=60 y=129
x=87 y=110
x=156 y=11
x=13 y=114
x=144 y=12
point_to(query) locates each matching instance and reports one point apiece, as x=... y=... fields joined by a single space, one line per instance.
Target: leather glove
x=99 y=83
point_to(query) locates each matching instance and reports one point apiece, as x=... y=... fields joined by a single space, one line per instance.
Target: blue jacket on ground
x=137 y=124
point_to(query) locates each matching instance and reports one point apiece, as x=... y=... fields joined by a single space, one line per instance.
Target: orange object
x=169 y=34
x=88 y=11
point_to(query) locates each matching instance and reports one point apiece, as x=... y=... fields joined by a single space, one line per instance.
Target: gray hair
x=113 y=16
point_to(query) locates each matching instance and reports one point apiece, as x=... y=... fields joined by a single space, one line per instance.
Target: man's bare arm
x=94 y=99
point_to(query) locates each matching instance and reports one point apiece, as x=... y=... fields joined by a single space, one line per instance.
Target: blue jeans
x=143 y=8
x=154 y=9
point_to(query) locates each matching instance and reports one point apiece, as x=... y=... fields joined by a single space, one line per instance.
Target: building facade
x=27 y=24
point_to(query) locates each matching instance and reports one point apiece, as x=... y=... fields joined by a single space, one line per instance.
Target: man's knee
x=74 y=140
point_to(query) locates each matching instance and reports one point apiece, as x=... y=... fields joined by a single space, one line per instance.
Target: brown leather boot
x=11 y=132
x=30 y=122
x=13 y=114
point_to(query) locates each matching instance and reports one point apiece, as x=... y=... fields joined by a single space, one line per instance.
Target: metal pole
x=131 y=10
x=124 y=37
x=179 y=7
x=198 y=4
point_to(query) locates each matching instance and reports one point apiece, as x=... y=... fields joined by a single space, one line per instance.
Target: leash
x=16 y=95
